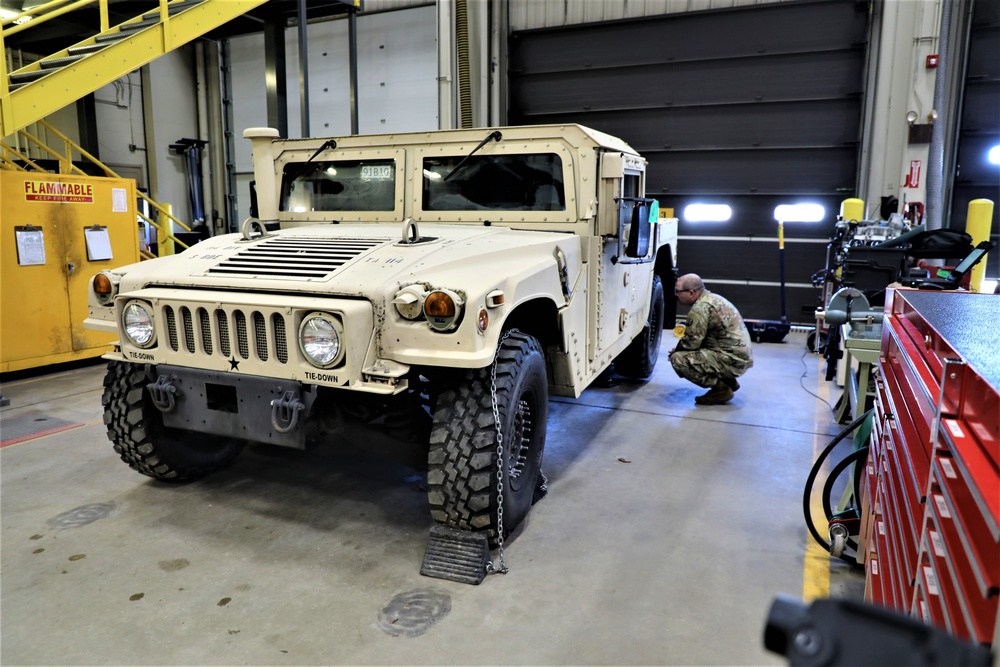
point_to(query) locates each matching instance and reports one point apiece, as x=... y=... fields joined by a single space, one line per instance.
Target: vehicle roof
x=576 y=135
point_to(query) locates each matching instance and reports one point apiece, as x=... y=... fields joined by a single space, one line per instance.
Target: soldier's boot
x=731 y=383
x=717 y=395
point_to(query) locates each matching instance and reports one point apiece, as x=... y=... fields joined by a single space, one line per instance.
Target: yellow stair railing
x=12 y=158
x=43 y=87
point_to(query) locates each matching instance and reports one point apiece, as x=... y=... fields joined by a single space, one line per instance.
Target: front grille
x=260 y=336
x=168 y=313
x=295 y=257
x=188 y=329
x=280 y=343
x=241 y=334
x=220 y=331
x=206 y=330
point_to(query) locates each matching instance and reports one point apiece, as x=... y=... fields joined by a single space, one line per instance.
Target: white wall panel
x=397 y=74
x=527 y=14
x=249 y=93
x=397 y=84
x=386 y=5
x=175 y=117
x=118 y=112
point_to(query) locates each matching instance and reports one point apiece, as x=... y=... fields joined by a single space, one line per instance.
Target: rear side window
x=530 y=182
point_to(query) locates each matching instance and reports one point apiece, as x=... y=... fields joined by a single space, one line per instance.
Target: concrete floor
x=666 y=533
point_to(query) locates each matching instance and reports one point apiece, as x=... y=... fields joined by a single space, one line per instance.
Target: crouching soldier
x=715 y=349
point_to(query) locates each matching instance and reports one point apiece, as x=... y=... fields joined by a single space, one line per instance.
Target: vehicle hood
x=349 y=260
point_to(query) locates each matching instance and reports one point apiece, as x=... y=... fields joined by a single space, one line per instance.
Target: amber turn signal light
x=439 y=304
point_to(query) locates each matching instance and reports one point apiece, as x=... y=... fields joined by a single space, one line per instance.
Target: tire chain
x=490 y=567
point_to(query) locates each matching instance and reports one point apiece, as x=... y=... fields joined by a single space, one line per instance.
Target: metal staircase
x=42 y=87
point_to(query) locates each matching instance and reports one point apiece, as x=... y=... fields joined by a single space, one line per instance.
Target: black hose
x=860 y=455
x=811 y=479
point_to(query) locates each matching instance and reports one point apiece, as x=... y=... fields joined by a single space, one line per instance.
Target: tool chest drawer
x=933 y=526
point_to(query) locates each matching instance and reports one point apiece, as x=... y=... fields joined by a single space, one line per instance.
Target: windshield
x=494 y=182
x=339 y=185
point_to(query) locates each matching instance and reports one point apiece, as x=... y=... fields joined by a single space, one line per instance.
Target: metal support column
x=352 y=31
x=230 y=149
x=274 y=78
x=303 y=70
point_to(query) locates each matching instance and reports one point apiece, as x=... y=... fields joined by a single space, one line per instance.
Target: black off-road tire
x=462 y=462
x=137 y=432
x=639 y=359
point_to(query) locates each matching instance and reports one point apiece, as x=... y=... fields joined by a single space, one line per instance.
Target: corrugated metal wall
x=751 y=106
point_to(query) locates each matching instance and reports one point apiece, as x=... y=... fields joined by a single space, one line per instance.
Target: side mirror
x=253 y=200
x=639 y=230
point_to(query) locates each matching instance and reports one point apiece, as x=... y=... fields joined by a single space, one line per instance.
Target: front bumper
x=246 y=407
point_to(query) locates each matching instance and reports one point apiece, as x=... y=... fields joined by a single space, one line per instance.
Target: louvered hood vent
x=295 y=257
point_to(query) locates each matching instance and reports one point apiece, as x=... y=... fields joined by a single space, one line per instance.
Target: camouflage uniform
x=716 y=343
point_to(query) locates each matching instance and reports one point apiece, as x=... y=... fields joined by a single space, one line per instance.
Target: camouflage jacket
x=714 y=324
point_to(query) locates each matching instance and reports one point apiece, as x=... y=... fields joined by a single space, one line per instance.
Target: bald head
x=690 y=281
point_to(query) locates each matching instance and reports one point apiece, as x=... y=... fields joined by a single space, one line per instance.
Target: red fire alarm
x=932 y=61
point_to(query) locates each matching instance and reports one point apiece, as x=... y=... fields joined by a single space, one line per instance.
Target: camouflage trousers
x=706 y=367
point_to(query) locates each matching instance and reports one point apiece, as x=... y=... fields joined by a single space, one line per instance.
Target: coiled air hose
x=858 y=455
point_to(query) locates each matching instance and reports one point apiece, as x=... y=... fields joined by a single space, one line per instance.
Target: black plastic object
x=768 y=331
x=846 y=633
x=456 y=555
x=871 y=269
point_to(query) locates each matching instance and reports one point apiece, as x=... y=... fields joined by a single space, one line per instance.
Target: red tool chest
x=931 y=518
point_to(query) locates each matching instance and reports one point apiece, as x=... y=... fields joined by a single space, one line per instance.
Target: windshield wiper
x=493 y=136
x=329 y=143
x=300 y=169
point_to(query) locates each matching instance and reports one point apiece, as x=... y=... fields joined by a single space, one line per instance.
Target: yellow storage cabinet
x=56 y=232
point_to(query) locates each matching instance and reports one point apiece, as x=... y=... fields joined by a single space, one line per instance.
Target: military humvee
x=439 y=285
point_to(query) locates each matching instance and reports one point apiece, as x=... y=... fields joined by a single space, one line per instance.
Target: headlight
x=443 y=309
x=319 y=339
x=138 y=324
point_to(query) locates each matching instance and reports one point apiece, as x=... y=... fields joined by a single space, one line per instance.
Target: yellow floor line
x=816 y=563
x=816 y=568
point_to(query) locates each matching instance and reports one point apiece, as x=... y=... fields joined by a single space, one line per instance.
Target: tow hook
x=162 y=392
x=285 y=411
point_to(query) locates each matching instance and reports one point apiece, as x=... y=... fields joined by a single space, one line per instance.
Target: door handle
x=71 y=266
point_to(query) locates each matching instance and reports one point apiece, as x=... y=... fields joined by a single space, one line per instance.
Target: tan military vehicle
x=440 y=285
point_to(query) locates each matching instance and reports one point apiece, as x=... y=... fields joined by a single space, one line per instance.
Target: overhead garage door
x=751 y=107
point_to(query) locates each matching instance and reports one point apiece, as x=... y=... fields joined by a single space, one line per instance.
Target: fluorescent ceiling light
x=707 y=212
x=994 y=155
x=799 y=213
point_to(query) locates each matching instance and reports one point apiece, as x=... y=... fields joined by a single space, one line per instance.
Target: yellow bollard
x=977 y=225
x=166 y=243
x=852 y=209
